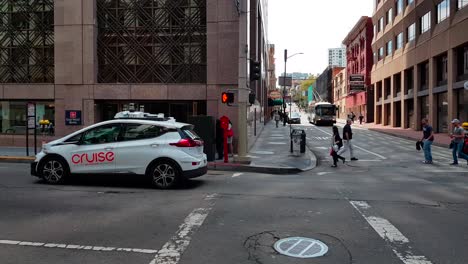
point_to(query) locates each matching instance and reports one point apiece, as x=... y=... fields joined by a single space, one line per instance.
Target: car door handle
x=108 y=148
x=154 y=145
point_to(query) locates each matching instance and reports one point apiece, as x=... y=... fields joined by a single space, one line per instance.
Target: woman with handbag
x=337 y=143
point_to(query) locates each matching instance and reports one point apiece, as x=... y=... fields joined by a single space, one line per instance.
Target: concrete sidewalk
x=440 y=139
x=16 y=154
x=271 y=154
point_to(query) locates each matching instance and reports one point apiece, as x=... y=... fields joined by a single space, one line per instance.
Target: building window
x=152 y=41
x=381 y=24
x=462 y=63
x=397 y=83
x=389 y=48
x=424 y=104
x=461 y=4
x=443 y=11
x=411 y=32
x=399 y=41
x=27 y=41
x=13 y=118
x=424 y=75
x=387 y=88
x=399 y=7
x=375 y=31
x=381 y=53
x=409 y=80
x=442 y=64
x=409 y=2
x=425 y=23
x=389 y=16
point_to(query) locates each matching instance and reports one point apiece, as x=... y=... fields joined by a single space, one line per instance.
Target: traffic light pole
x=244 y=92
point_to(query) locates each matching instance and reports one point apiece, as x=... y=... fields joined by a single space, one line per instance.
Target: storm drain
x=301 y=247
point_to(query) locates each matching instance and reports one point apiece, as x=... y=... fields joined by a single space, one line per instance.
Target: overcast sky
x=311 y=27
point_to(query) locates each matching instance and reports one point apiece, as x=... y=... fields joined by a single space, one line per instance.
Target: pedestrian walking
x=458 y=139
x=347 y=140
x=230 y=135
x=277 y=118
x=352 y=116
x=336 y=145
x=361 y=117
x=427 y=140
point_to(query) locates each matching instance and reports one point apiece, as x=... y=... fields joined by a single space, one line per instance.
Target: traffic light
x=255 y=70
x=227 y=98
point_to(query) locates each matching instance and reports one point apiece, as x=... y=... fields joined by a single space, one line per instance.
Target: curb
x=16 y=159
x=261 y=169
x=257 y=169
x=405 y=137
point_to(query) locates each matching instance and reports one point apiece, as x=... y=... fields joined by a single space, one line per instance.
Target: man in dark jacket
x=347 y=140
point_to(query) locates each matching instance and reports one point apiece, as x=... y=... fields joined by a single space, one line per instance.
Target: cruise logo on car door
x=93 y=158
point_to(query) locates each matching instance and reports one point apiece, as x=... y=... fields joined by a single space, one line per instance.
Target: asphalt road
x=387 y=207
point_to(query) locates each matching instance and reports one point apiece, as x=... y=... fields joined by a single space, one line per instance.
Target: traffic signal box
x=255 y=70
x=227 y=98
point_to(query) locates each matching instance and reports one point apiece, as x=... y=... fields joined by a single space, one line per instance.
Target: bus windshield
x=328 y=110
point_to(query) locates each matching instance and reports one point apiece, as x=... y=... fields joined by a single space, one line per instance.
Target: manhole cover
x=301 y=247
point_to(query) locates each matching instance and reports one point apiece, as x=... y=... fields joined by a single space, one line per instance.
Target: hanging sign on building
x=73 y=117
x=356 y=83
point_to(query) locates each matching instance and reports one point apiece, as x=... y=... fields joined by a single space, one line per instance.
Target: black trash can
x=303 y=141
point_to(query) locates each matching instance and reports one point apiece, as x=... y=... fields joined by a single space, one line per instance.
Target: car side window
x=75 y=138
x=141 y=131
x=103 y=134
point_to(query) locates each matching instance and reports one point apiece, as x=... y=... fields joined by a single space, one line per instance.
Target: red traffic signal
x=227 y=98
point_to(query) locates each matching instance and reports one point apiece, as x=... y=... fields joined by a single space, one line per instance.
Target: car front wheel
x=164 y=174
x=54 y=171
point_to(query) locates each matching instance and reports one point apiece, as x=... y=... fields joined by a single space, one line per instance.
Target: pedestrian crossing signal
x=227 y=98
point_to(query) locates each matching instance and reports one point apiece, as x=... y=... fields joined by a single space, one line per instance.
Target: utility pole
x=284 y=87
x=244 y=92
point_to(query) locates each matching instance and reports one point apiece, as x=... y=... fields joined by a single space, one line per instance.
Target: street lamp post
x=286 y=57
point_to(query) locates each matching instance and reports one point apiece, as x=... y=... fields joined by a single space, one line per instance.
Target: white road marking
x=323 y=173
x=76 y=247
x=398 y=242
x=370 y=152
x=237 y=174
x=172 y=251
x=447 y=171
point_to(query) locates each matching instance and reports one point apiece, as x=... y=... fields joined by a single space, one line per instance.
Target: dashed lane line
x=388 y=232
x=76 y=247
x=172 y=251
x=237 y=174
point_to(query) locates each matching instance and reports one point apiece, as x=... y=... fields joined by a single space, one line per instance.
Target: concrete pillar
x=385 y=109
x=75 y=26
x=376 y=114
x=417 y=107
x=393 y=109
x=432 y=98
x=451 y=78
x=404 y=110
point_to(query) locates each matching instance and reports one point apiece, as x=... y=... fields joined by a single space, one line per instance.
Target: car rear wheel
x=164 y=174
x=54 y=171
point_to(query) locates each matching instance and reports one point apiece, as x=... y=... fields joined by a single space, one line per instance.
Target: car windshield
x=295 y=115
x=325 y=110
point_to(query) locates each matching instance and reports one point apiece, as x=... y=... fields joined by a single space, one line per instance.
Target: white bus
x=322 y=113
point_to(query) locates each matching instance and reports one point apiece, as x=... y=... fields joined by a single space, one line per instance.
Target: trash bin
x=296 y=137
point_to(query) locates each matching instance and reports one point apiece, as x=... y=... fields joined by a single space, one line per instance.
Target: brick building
x=359 y=60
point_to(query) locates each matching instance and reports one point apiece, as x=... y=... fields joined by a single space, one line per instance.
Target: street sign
x=72 y=117
x=31 y=122
x=357 y=87
x=31 y=109
x=285 y=81
x=356 y=78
